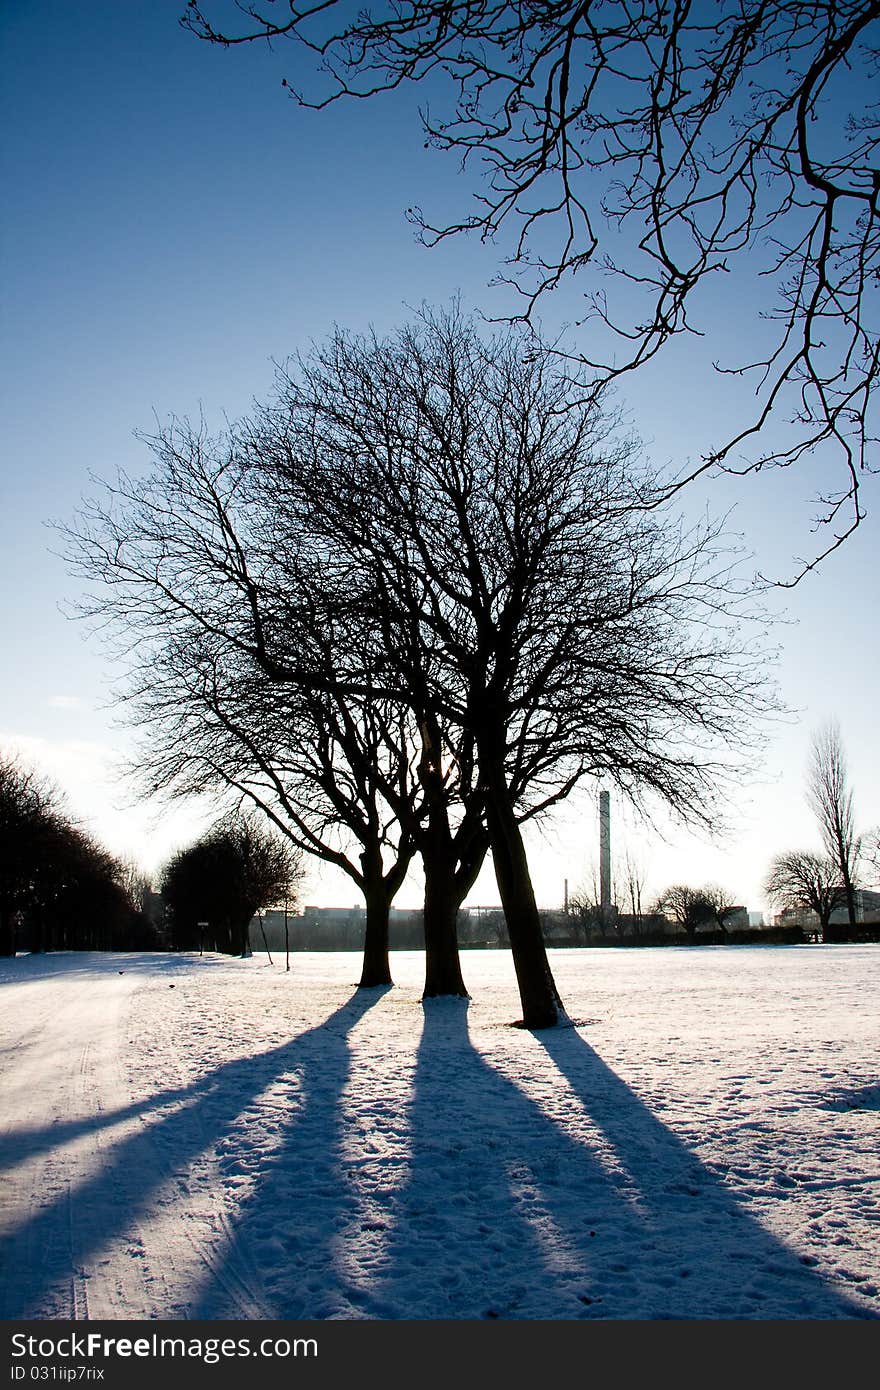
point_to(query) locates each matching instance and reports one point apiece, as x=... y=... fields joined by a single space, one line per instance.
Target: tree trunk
x=376 y=968
x=38 y=930
x=7 y=931
x=850 y=895
x=542 y=1007
x=844 y=860
x=442 y=901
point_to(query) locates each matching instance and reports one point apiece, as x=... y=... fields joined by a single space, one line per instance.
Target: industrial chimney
x=605 y=855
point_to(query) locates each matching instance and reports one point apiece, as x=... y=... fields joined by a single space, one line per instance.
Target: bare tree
x=135 y=883
x=246 y=667
x=689 y=907
x=232 y=872
x=533 y=612
x=415 y=600
x=631 y=874
x=831 y=801
x=721 y=902
x=803 y=881
x=651 y=148
x=585 y=907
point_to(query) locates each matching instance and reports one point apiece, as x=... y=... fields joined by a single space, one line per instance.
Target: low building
x=867 y=905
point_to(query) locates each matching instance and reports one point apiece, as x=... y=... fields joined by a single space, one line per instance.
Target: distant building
x=867 y=905
x=867 y=908
x=738 y=919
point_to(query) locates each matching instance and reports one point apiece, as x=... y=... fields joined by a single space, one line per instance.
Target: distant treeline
x=329 y=929
x=751 y=936
x=59 y=889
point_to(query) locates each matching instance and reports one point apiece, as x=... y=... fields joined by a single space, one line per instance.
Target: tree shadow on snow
x=50 y=1251
x=508 y=1214
x=464 y=1200
x=30 y=967
x=489 y=1208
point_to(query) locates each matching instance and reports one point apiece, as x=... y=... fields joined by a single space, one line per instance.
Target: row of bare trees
x=59 y=889
x=407 y=606
x=635 y=913
x=801 y=881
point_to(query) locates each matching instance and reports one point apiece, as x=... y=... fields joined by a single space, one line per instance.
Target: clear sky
x=172 y=223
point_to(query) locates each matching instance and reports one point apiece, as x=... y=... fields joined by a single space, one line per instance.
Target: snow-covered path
x=187 y=1137
x=80 y=1157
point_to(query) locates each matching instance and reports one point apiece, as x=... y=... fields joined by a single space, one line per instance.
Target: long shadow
x=726 y=1263
x=507 y=1214
x=28 y=968
x=500 y=1211
x=41 y=1256
x=303 y=1207
x=21 y=1144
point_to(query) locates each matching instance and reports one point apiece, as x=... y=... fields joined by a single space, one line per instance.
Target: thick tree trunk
x=246 y=939
x=850 y=896
x=38 y=931
x=7 y=931
x=442 y=901
x=542 y=1007
x=376 y=968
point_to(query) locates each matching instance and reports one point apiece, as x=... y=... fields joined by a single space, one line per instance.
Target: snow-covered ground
x=188 y=1137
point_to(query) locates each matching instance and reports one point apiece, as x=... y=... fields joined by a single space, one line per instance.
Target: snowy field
x=214 y=1138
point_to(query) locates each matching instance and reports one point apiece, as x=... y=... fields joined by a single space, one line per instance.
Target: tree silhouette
x=648 y=150
x=532 y=611
x=413 y=601
x=800 y=880
x=831 y=801
x=59 y=889
x=225 y=878
x=690 y=907
x=721 y=902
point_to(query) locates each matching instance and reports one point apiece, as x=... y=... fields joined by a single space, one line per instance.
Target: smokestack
x=605 y=855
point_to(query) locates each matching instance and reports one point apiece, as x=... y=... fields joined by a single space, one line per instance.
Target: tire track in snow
x=189 y=1239
x=74 y=1246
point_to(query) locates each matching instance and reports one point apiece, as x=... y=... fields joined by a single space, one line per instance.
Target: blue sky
x=172 y=223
